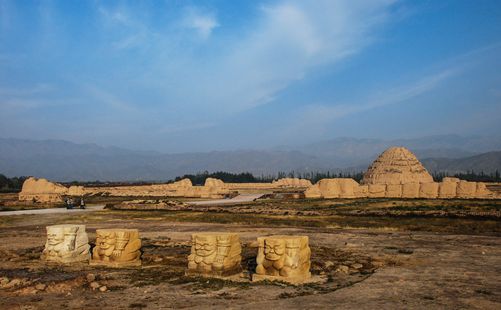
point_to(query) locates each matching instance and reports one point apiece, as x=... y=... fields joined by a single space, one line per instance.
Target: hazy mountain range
x=66 y=161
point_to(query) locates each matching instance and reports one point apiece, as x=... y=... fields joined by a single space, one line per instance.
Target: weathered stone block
x=428 y=190
x=215 y=254
x=117 y=248
x=329 y=188
x=66 y=244
x=447 y=189
x=394 y=190
x=410 y=190
x=283 y=258
x=377 y=190
x=362 y=191
x=466 y=189
x=313 y=192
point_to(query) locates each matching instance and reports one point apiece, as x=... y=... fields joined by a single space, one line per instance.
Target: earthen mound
x=396 y=165
x=41 y=190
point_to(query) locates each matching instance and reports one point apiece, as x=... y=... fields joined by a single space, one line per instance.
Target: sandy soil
x=387 y=268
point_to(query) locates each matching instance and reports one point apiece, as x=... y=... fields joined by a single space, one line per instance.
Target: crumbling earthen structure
x=214 y=254
x=41 y=190
x=397 y=173
x=292 y=182
x=66 y=244
x=117 y=248
x=283 y=258
x=396 y=165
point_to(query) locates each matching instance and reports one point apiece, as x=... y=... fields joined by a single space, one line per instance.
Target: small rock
x=158 y=260
x=4 y=281
x=377 y=263
x=13 y=283
x=40 y=286
x=343 y=269
x=357 y=266
x=329 y=264
x=94 y=285
x=103 y=288
x=91 y=277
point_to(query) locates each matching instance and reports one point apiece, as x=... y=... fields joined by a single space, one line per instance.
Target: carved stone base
x=115 y=264
x=214 y=254
x=306 y=278
x=66 y=244
x=215 y=274
x=117 y=248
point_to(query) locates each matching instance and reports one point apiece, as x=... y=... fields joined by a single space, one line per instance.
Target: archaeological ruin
x=214 y=254
x=283 y=258
x=117 y=248
x=66 y=244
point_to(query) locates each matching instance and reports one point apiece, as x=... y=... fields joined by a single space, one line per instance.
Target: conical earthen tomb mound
x=396 y=165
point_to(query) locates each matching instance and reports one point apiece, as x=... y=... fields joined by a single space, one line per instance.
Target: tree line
x=14 y=184
x=11 y=185
x=470 y=176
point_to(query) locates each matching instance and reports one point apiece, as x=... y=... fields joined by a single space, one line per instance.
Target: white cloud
x=202 y=22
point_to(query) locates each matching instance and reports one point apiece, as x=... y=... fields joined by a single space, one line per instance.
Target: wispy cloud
x=315 y=118
x=201 y=21
x=109 y=99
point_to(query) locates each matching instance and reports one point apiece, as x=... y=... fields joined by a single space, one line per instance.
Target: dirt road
x=52 y=211
x=234 y=200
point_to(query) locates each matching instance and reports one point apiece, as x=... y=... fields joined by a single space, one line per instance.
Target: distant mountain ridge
x=66 y=161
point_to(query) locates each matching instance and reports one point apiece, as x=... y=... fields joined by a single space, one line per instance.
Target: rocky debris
x=396 y=165
x=103 y=288
x=4 y=281
x=158 y=204
x=91 y=277
x=94 y=285
x=343 y=269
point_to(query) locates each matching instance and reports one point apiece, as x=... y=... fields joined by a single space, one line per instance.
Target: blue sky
x=178 y=76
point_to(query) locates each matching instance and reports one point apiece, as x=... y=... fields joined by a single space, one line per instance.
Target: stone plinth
x=214 y=254
x=117 y=248
x=283 y=258
x=66 y=244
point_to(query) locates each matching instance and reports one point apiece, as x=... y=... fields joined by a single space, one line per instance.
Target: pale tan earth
x=292 y=182
x=283 y=258
x=66 y=244
x=117 y=248
x=413 y=267
x=396 y=165
x=215 y=254
x=41 y=190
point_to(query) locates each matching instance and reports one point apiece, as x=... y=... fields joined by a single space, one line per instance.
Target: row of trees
x=471 y=176
x=11 y=185
x=15 y=184
x=247 y=177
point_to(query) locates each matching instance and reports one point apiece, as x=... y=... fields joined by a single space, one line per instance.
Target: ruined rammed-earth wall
x=41 y=190
x=397 y=173
x=448 y=188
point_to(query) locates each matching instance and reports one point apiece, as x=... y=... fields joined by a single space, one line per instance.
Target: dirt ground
x=369 y=254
